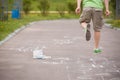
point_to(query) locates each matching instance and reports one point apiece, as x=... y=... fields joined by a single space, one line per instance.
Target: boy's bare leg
x=97 y=39
x=84 y=24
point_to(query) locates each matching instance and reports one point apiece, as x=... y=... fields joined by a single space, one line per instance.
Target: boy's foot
x=88 y=34
x=97 y=51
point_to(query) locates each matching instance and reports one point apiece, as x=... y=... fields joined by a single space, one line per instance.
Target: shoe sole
x=88 y=34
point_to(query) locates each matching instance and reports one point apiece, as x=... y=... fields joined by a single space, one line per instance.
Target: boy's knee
x=97 y=30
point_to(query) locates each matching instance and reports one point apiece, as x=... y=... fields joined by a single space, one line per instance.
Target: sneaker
x=88 y=34
x=97 y=50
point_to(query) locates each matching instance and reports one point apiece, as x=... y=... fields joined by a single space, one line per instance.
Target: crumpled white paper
x=38 y=54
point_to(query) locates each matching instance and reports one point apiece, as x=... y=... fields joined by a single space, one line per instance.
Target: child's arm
x=106 y=2
x=78 y=9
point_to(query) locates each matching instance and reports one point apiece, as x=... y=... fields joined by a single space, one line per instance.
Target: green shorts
x=93 y=14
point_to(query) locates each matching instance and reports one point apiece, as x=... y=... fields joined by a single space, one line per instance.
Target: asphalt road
x=69 y=55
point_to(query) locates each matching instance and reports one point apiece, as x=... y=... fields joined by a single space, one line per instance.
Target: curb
x=15 y=32
x=111 y=27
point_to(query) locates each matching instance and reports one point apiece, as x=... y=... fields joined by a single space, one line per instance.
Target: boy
x=92 y=9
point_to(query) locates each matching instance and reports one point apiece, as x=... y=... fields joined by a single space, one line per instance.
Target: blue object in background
x=15 y=14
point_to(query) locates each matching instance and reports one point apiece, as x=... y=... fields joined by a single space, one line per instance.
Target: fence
x=117 y=9
x=16 y=9
x=3 y=10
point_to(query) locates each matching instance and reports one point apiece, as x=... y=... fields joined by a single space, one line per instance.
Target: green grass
x=11 y=25
x=53 y=4
x=114 y=23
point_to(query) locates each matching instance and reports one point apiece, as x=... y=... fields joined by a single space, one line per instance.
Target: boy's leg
x=97 y=39
x=86 y=27
x=98 y=23
x=84 y=24
x=85 y=19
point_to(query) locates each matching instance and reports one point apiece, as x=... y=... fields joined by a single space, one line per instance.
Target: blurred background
x=16 y=13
